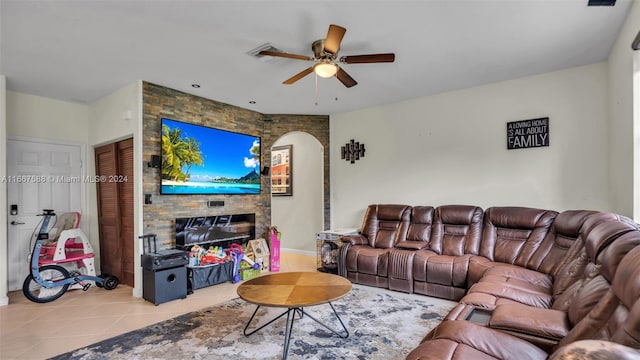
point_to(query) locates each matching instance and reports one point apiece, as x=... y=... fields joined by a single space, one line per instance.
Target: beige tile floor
x=38 y=331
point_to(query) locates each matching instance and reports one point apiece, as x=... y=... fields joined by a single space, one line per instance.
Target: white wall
x=115 y=117
x=40 y=117
x=624 y=136
x=4 y=299
x=451 y=148
x=300 y=216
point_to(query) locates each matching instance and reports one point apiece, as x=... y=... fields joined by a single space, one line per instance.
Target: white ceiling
x=82 y=51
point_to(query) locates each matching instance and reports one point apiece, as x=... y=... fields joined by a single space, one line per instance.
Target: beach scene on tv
x=203 y=160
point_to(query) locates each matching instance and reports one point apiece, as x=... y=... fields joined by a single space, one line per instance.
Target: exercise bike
x=46 y=283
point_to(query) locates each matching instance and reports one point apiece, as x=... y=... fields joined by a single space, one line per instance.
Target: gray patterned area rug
x=383 y=324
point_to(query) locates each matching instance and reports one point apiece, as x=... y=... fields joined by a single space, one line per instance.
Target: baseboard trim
x=4 y=301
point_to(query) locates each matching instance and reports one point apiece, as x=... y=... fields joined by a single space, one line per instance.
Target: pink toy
x=69 y=245
x=275 y=248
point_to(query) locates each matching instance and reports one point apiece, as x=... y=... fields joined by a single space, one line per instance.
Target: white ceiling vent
x=265 y=58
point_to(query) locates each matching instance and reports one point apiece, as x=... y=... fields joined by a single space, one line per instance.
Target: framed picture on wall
x=282 y=170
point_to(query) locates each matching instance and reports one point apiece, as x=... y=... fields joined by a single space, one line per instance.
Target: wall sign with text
x=528 y=133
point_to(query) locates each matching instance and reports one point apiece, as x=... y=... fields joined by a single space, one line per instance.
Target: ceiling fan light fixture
x=326 y=70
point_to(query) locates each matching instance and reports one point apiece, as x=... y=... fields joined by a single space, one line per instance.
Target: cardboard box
x=260 y=253
x=264 y=262
x=259 y=248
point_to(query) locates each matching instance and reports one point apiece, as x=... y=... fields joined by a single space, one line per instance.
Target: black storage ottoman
x=202 y=276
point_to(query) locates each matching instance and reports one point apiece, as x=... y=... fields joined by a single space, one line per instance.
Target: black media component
x=164 y=272
x=164 y=259
x=160 y=286
x=156 y=161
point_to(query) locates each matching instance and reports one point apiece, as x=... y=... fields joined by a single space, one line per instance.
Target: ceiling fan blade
x=345 y=78
x=285 y=55
x=334 y=38
x=298 y=76
x=371 y=58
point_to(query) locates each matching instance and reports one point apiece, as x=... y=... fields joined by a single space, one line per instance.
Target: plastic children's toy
x=238 y=256
x=214 y=255
x=48 y=280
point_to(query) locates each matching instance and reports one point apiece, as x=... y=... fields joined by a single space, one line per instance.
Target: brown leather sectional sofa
x=530 y=283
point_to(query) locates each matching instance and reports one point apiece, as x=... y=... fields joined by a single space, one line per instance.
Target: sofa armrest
x=354 y=239
x=346 y=242
x=478 y=265
x=412 y=245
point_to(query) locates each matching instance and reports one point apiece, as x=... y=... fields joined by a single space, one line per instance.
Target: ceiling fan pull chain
x=316 y=89
x=335 y=88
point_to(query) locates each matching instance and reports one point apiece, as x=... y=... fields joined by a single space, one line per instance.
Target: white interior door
x=39 y=176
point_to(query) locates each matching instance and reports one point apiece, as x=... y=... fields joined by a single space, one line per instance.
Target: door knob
x=16 y=223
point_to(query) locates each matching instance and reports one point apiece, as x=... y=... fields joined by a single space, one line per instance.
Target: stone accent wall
x=161 y=102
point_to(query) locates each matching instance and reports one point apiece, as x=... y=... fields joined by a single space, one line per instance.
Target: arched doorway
x=300 y=216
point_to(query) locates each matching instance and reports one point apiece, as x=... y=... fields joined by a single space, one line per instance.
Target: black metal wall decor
x=352 y=151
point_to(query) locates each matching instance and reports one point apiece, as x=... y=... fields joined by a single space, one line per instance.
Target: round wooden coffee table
x=294 y=291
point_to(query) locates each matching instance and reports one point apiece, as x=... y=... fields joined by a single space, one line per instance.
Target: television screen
x=203 y=160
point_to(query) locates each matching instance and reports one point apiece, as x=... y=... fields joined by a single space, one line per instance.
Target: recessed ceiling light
x=252 y=102
x=195 y=86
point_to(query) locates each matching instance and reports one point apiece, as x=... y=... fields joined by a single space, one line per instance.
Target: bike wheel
x=110 y=282
x=40 y=294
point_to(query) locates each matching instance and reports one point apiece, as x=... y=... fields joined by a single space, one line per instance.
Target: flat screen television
x=203 y=160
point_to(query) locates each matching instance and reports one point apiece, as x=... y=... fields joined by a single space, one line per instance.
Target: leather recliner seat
x=367 y=257
x=546 y=280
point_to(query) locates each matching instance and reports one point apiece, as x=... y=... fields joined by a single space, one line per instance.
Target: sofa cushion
x=616 y=314
x=493 y=343
x=515 y=295
x=367 y=260
x=511 y=235
x=529 y=321
x=563 y=233
x=420 y=224
x=441 y=269
x=624 y=325
x=445 y=349
x=419 y=231
x=519 y=275
x=385 y=225
x=456 y=230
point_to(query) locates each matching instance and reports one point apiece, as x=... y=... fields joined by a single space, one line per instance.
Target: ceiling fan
x=325 y=55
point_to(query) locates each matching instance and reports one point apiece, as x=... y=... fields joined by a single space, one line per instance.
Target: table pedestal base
x=291 y=314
